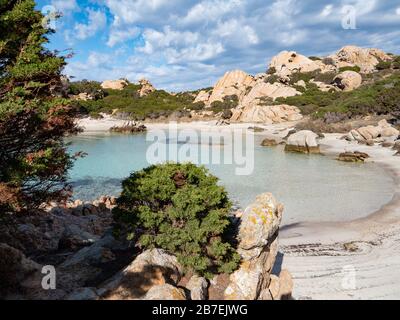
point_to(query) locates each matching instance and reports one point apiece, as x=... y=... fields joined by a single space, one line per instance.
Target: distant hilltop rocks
x=289 y=74
x=145 y=86
x=114 y=84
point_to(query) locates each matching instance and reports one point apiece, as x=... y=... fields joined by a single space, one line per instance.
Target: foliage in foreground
x=33 y=123
x=179 y=208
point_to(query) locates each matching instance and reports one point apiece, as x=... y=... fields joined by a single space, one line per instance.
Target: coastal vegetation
x=182 y=209
x=377 y=97
x=33 y=119
x=128 y=100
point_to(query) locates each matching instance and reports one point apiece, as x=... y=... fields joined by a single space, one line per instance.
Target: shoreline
x=317 y=254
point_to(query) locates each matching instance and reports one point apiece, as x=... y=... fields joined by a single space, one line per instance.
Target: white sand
x=314 y=252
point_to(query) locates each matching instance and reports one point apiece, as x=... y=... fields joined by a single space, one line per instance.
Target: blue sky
x=186 y=44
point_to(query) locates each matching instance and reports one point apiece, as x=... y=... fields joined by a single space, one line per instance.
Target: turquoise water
x=312 y=188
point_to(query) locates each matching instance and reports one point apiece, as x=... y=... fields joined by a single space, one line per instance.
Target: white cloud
x=121 y=35
x=211 y=10
x=236 y=32
x=200 y=52
x=398 y=11
x=133 y=11
x=65 y=6
x=97 y=20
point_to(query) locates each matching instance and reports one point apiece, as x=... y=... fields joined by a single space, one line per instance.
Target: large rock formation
x=258 y=247
x=146 y=88
x=232 y=83
x=366 y=59
x=304 y=141
x=383 y=131
x=348 y=80
x=251 y=93
x=272 y=91
x=151 y=268
x=288 y=62
x=114 y=84
x=267 y=114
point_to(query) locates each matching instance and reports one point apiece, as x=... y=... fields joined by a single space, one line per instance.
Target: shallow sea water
x=312 y=188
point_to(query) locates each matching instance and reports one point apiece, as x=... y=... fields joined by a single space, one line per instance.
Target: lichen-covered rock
x=253 y=275
x=304 y=141
x=165 y=292
x=258 y=247
x=151 y=268
x=348 y=80
x=197 y=287
x=260 y=221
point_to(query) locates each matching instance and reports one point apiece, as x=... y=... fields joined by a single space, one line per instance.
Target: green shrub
x=326 y=77
x=271 y=71
x=229 y=102
x=314 y=58
x=382 y=65
x=396 y=63
x=354 y=68
x=271 y=79
x=179 y=208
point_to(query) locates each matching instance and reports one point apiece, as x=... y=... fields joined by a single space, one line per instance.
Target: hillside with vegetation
x=128 y=103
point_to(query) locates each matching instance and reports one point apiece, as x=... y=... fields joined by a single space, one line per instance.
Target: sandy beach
x=359 y=259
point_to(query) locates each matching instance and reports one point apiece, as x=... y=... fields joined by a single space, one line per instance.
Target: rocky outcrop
x=366 y=59
x=348 y=80
x=198 y=288
x=203 y=96
x=269 y=143
x=304 y=141
x=353 y=156
x=288 y=62
x=232 y=83
x=267 y=114
x=114 y=84
x=146 y=88
x=383 y=131
x=165 y=292
x=18 y=274
x=129 y=127
x=273 y=91
x=258 y=247
x=151 y=268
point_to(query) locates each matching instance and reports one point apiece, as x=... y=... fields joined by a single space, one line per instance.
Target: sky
x=184 y=44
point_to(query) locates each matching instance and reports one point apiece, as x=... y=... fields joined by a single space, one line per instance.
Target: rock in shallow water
x=304 y=141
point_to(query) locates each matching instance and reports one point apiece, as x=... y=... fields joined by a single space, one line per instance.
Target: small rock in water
x=269 y=143
x=353 y=156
